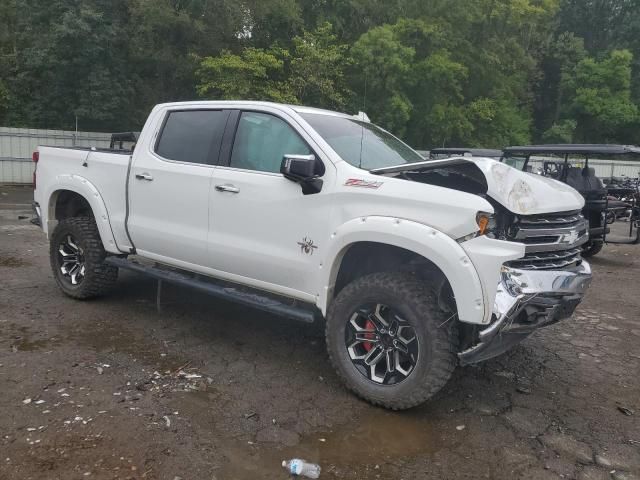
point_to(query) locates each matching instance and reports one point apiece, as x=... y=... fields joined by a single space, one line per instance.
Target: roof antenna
x=364 y=109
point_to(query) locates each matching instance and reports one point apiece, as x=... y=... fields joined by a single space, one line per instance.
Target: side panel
x=168 y=215
x=430 y=243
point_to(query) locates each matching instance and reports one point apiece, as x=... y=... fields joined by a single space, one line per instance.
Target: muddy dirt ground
x=207 y=390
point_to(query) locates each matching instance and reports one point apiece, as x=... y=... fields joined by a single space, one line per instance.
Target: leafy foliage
x=436 y=72
x=317 y=69
x=255 y=74
x=601 y=96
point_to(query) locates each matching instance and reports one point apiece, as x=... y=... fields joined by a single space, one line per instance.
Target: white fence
x=18 y=144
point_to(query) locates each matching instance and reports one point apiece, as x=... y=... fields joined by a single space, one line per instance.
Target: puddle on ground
x=12 y=262
x=23 y=342
x=374 y=438
x=27 y=345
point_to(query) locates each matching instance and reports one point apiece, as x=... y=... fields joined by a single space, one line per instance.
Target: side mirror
x=302 y=169
x=298 y=167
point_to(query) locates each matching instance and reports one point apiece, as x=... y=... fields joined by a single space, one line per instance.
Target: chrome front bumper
x=525 y=301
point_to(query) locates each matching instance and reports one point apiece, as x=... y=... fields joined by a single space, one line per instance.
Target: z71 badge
x=358 y=182
x=307 y=246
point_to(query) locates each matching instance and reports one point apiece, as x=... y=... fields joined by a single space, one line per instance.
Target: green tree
x=165 y=38
x=69 y=63
x=561 y=57
x=317 y=69
x=496 y=123
x=426 y=84
x=7 y=53
x=255 y=74
x=600 y=93
x=561 y=132
x=311 y=73
x=382 y=65
x=605 y=25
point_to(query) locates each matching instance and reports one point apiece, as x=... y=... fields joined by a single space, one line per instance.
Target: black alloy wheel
x=78 y=259
x=381 y=344
x=390 y=341
x=71 y=260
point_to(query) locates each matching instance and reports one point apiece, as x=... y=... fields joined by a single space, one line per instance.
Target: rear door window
x=192 y=136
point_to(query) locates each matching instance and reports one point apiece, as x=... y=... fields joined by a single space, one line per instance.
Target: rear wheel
x=77 y=259
x=389 y=341
x=590 y=249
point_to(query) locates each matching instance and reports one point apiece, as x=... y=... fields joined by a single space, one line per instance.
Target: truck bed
x=106 y=170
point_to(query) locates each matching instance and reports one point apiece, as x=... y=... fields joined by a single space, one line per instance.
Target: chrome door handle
x=227 y=188
x=144 y=176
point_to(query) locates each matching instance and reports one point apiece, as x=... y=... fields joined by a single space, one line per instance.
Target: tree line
x=435 y=72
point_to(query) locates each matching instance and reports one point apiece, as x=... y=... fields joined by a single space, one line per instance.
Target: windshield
x=361 y=144
x=515 y=162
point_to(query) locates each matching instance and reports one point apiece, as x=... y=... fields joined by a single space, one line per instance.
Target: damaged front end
x=550 y=280
x=541 y=288
x=525 y=301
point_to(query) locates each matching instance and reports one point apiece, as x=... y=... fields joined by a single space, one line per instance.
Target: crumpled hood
x=520 y=192
x=526 y=193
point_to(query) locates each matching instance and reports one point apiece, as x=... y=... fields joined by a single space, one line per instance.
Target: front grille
x=551 y=241
x=553 y=220
x=548 y=260
x=550 y=233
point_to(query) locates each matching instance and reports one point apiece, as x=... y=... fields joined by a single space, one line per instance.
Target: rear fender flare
x=86 y=189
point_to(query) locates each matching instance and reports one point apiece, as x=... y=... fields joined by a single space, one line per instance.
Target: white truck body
x=257 y=228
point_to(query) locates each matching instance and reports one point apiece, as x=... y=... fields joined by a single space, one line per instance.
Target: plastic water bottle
x=299 y=467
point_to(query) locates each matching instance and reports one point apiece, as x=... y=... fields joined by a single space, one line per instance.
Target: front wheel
x=592 y=248
x=77 y=259
x=389 y=341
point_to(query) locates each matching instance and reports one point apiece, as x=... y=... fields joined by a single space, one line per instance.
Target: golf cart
x=569 y=164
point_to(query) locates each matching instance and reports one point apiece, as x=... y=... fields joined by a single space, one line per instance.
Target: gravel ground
x=206 y=390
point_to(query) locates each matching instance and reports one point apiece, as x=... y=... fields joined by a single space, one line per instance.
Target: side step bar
x=256 y=300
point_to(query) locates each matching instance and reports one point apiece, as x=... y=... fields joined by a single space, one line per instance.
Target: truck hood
x=520 y=192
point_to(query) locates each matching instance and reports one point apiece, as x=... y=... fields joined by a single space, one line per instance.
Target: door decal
x=307 y=246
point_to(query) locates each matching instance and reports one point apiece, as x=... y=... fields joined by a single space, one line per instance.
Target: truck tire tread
x=99 y=277
x=591 y=249
x=443 y=355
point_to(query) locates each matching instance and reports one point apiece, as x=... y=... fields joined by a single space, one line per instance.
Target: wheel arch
x=390 y=240
x=74 y=196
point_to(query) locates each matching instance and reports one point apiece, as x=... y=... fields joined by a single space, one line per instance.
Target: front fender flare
x=426 y=241
x=83 y=187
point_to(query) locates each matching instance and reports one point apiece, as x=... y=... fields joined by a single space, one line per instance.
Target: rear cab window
x=192 y=136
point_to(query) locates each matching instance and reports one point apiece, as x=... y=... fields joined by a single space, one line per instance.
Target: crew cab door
x=169 y=186
x=262 y=229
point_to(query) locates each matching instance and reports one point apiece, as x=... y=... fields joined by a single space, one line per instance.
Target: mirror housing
x=302 y=169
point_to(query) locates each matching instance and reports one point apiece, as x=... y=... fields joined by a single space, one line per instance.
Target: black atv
x=569 y=164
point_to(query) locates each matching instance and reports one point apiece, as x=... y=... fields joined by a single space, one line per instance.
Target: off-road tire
x=417 y=304
x=591 y=249
x=99 y=277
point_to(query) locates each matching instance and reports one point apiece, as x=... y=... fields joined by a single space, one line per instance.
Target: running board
x=260 y=301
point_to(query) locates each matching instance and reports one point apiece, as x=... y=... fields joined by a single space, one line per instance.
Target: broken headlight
x=486 y=223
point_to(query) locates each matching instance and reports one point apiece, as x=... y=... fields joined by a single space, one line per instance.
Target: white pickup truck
x=416 y=266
